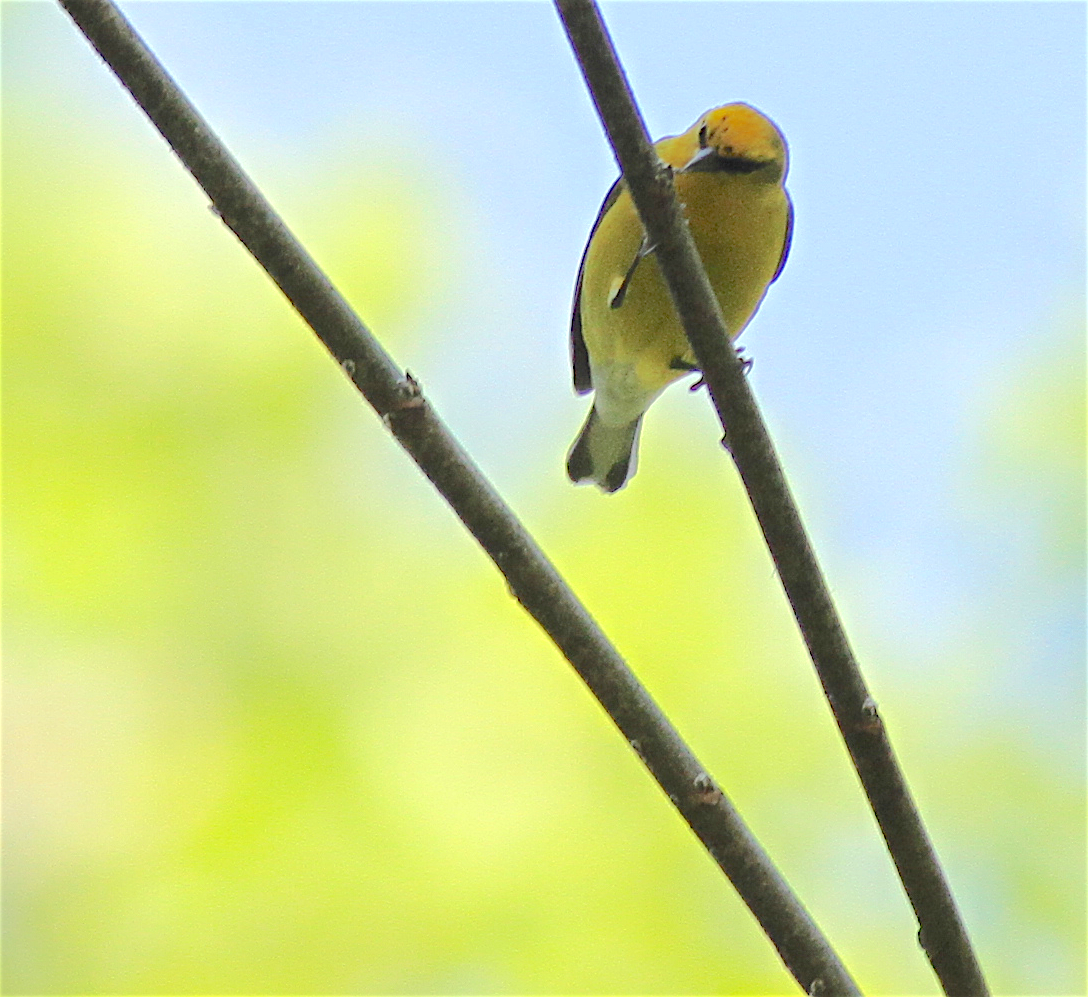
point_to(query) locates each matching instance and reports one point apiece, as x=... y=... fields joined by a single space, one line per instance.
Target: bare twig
x=396 y=397
x=942 y=933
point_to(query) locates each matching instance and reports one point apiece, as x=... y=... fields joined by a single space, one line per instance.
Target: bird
x=626 y=342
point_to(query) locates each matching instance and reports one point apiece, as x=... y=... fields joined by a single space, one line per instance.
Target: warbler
x=627 y=345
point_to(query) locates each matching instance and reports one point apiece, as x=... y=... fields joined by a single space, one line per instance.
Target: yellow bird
x=627 y=344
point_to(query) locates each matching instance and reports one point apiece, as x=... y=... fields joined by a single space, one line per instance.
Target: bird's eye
x=702 y=137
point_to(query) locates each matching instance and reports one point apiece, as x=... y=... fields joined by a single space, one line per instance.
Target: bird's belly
x=623 y=389
x=640 y=345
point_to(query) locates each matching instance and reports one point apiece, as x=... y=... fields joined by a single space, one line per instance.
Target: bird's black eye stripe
x=740 y=164
x=702 y=137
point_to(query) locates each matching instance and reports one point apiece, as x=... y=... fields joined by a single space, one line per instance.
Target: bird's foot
x=745 y=362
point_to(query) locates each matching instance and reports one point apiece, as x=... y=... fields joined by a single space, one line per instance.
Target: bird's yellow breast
x=739 y=225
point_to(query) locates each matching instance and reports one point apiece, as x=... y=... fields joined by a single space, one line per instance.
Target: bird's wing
x=579 y=356
x=787 y=240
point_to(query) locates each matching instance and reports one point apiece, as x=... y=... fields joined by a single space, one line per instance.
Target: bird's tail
x=605 y=455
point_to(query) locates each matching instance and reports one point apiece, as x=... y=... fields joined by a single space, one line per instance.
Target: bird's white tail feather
x=605 y=455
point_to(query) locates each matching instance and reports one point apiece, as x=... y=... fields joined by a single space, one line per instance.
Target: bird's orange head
x=737 y=138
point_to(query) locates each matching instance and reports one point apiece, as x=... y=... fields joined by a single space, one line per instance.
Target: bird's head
x=736 y=138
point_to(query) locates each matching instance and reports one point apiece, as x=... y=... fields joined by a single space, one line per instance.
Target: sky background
x=920 y=363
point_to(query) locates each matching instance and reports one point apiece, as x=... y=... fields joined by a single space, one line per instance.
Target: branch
x=396 y=397
x=942 y=933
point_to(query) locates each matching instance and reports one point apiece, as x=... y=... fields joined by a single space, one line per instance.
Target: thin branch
x=942 y=932
x=396 y=397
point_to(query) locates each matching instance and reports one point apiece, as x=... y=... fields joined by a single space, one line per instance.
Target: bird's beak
x=709 y=160
x=704 y=161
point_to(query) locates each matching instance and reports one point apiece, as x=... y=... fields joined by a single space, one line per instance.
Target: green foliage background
x=274 y=725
